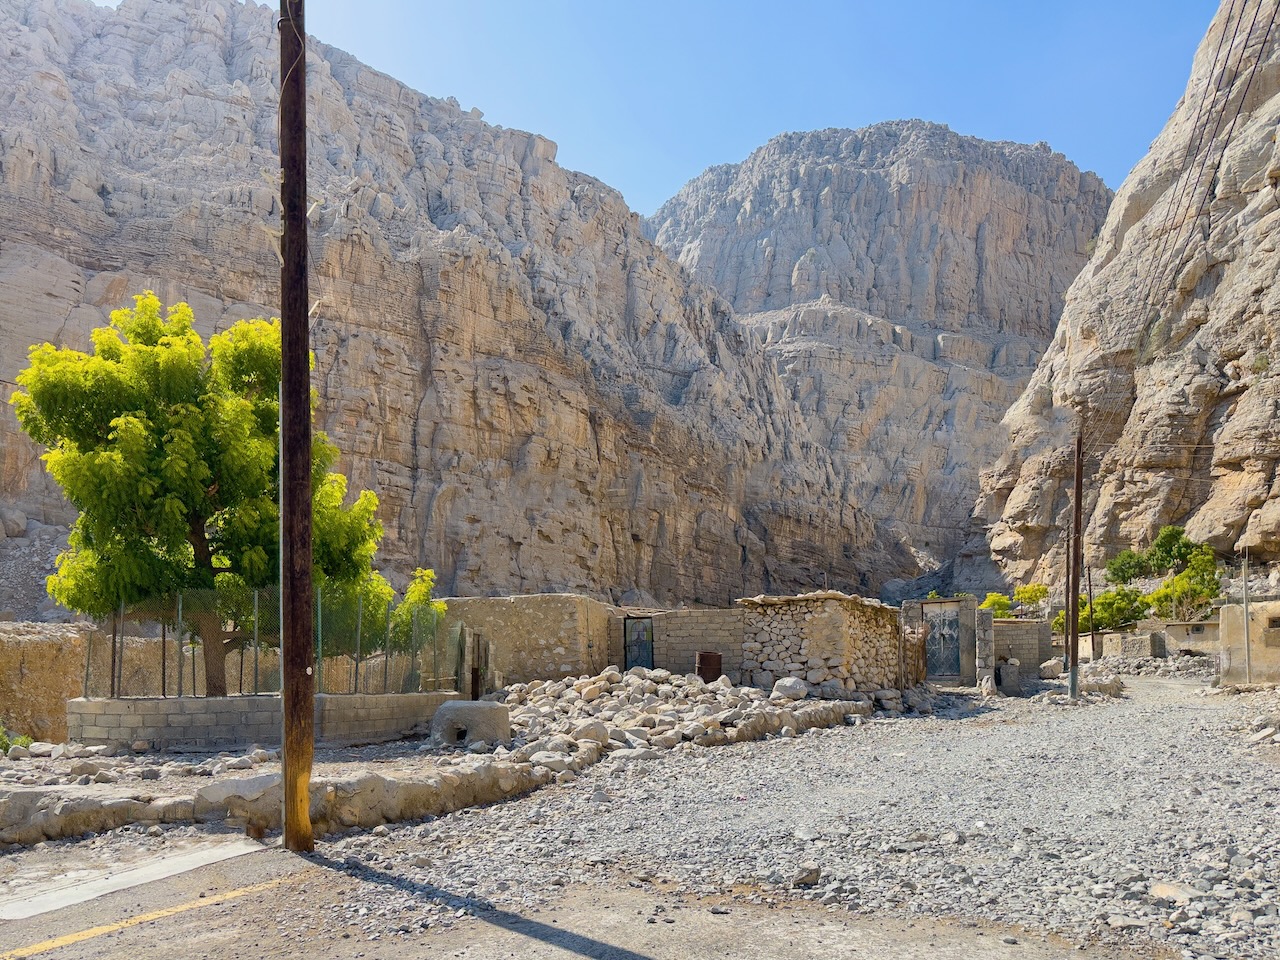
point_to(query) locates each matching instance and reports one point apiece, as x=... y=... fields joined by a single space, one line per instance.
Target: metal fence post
x=181 y=652
x=355 y=679
x=319 y=643
x=255 y=641
x=120 y=661
x=386 y=652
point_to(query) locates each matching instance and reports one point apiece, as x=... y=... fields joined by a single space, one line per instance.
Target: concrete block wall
x=221 y=722
x=679 y=635
x=1030 y=642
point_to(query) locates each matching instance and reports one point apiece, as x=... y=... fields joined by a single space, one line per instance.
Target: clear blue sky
x=645 y=96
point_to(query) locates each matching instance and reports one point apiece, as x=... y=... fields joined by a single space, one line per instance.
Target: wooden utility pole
x=1077 y=554
x=296 y=604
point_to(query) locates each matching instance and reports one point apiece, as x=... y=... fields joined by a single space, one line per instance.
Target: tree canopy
x=168 y=450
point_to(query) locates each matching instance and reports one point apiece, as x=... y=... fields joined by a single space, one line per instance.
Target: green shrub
x=1171 y=551
x=1031 y=595
x=1127 y=565
x=1189 y=594
x=998 y=604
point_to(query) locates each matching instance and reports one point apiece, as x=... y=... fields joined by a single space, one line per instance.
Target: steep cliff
x=1168 y=350
x=541 y=399
x=907 y=280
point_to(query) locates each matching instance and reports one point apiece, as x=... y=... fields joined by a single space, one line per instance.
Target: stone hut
x=827 y=638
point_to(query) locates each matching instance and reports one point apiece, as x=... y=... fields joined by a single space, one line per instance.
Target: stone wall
x=1263 y=662
x=534 y=637
x=238 y=721
x=1030 y=642
x=680 y=635
x=984 y=645
x=826 y=637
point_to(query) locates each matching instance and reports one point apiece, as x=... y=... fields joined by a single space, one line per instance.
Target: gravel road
x=1142 y=821
x=1145 y=823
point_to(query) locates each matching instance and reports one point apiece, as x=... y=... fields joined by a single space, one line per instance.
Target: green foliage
x=1110 y=611
x=1261 y=363
x=1171 y=550
x=6 y=741
x=1127 y=565
x=1115 y=609
x=1189 y=594
x=933 y=595
x=962 y=593
x=168 y=450
x=417 y=604
x=1031 y=596
x=998 y=604
x=350 y=608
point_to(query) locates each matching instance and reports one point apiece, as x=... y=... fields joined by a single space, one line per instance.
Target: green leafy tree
x=1171 y=551
x=998 y=604
x=1126 y=566
x=1031 y=596
x=1115 y=609
x=168 y=449
x=1189 y=594
x=355 y=608
x=418 y=606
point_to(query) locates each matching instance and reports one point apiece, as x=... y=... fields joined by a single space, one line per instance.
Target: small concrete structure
x=948 y=628
x=1199 y=637
x=464 y=722
x=1263 y=662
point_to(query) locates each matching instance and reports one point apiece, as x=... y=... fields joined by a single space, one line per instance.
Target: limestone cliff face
x=907 y=280
x=1168 y=350
x=540 y=398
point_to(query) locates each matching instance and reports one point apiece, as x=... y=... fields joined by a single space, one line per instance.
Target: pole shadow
x=483 y=910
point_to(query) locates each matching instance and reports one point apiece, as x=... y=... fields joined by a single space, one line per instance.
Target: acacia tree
x=168 y=449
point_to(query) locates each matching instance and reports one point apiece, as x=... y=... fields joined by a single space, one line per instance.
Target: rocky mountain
x=1168 y=351
x=906 y=280
x=541 y=398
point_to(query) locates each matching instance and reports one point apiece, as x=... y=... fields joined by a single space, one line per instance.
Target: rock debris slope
x=541 y=399
x=906 y=280
x=1168 y=346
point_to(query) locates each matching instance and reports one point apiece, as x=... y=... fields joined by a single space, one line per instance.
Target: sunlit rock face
x=541 y=399
x=907 y=280
x=1168 y=351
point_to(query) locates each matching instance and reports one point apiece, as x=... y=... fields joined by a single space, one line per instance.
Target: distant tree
x=169 y=452
x=1031 y=596
x=1115 y=609
x=1126 y=566
x=1189 y=594
x=418 y=607
x=1171 y=551
x=998 y=604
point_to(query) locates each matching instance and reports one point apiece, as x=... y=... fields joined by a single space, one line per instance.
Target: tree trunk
x=208 y=627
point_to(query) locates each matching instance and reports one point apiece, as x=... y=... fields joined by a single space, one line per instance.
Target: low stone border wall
x=238 y=721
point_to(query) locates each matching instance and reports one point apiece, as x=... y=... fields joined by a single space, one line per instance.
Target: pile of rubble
x=549 y=731
x=648 y=710
x=1184 y=666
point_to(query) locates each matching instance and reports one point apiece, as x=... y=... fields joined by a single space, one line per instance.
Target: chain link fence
x=162 y=648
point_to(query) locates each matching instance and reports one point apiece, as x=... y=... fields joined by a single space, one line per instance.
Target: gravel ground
x=1138 y=821
x=1145 y=821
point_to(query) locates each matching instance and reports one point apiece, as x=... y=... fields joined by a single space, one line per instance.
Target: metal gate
x=637 y=642
x=942 y=639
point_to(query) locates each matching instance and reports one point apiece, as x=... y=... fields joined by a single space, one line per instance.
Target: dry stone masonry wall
x=835 y=643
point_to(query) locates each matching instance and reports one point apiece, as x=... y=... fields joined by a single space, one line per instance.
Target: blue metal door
x=637 y=642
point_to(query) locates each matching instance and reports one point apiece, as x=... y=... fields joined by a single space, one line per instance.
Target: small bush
x=998 y=604
x=1125 y=566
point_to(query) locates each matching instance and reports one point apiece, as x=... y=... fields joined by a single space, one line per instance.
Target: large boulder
x=460 y=723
